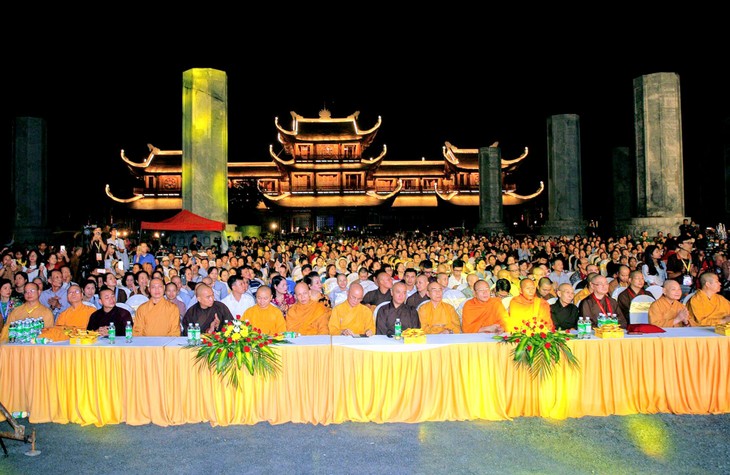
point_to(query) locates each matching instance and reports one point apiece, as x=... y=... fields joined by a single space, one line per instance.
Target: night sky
x=426 y=92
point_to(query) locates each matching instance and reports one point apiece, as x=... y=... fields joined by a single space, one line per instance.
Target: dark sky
x=427 y=93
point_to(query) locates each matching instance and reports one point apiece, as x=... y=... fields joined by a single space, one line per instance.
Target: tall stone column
x=624 y=191
x=565 y=189
x=726 y=161
x=205 y=143
x=659 y=159
x=29 y=180
x=491 y=214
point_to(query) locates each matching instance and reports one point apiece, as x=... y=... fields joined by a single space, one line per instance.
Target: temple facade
x=322 y=177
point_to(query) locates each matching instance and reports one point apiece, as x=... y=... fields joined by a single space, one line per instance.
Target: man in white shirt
x=239 y=299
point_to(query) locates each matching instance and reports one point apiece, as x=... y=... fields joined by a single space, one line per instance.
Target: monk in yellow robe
x=668 y=310
x=351 y=317
x=32 y=308
x=437 y=316
x=707 y=306
x=306 y=316
x=264 y=316
x=483 y=314
x=527 y=306
x=157 y=316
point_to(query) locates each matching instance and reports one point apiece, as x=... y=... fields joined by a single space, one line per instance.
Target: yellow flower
x=236 y=336
x=244 y=331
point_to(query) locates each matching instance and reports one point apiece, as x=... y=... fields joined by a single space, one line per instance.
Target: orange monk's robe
x=708 y=311
x=357 y=319
x=436 y=319
x=75 y=317
x=521 y=309
x=26 y=311
x=269 y=319
x=663 y=311
x=157 y=319
x=308 y=319
x=476 y=314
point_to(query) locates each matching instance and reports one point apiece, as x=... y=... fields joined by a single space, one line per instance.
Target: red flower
x=529 y=347
x=517 y=340
x=268 y=342
x=261 y=345
x=238 y=317
x=524 y=332
x=210 y=343
x=230 y=354
x=505 y=338
x=542 y=326
x=543 y=335
x=247 y=349
x=219 y=350
x=547 y=345
x=229 y=340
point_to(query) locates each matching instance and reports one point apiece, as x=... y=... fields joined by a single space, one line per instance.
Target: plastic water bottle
x=614 y=319
x=581 y=327
x=12 y=332
x=588 y=330
x=128 y=332
x=196 y=340
x=112 y=333
x=397 y=328
x=191 y=334
x=19 y=415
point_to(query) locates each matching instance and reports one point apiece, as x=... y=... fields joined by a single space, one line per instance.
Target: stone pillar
x=205 y=143
x=659 y=160
x=726 y=161
x=565 y=189
x=624 y=191
x=29 y=180
x=491 y=214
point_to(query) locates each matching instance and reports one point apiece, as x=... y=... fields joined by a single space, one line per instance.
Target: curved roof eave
x=377 y=159
x=153 y=151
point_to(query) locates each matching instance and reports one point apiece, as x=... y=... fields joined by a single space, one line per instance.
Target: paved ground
x=638 y=444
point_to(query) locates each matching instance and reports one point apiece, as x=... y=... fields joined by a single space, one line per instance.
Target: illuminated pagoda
x=320 y=177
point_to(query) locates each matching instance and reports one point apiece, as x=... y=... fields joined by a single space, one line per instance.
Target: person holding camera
x=97 y=250
x=120 y=250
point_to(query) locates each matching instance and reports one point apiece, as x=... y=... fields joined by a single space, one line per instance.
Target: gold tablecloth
x=455 y=377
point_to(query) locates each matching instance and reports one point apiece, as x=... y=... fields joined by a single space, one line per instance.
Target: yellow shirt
x=269 y=320
x=357 y=319
x=434 y=319
x=160 y=319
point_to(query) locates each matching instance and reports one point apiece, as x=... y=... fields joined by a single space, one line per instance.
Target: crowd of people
x=361 y=285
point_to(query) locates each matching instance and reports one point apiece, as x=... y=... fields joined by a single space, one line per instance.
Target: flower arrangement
x=539 y=348
x=240 y=344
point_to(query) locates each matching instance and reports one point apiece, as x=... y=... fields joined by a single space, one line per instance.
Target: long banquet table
x=327 y=380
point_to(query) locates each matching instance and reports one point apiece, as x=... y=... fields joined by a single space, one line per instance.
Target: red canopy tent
x=184 y=221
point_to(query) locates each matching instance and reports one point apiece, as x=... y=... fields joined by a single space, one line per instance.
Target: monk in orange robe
x=668 y=310
x=482 y=314
x=437 y=316
x=528 y=306
x=707 y=306
x=264 y=316
x=306 y=316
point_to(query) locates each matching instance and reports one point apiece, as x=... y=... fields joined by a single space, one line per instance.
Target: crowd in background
x=279 y=263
